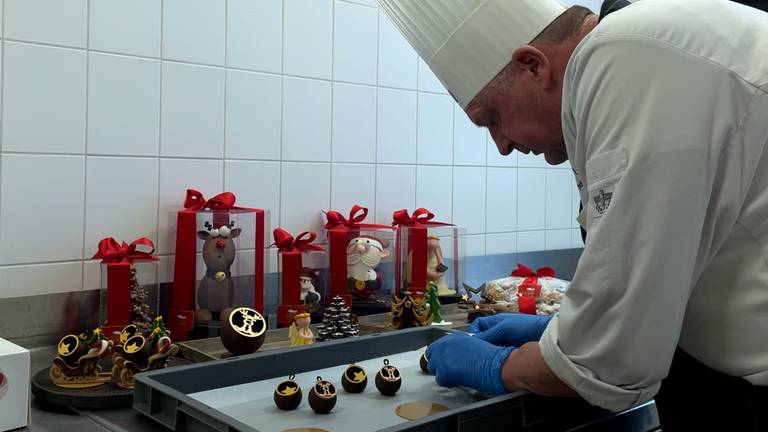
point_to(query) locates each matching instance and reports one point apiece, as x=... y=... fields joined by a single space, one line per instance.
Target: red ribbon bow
x=532 y=277
x=529 y=290
x=420 y=216
x=196 y=201
x=285 y=242
x=110 y=251
x=356 y=216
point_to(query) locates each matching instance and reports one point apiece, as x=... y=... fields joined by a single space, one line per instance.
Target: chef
x=661 y=107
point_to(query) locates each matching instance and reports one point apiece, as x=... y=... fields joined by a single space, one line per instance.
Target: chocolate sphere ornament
x=388 y=380
x=288 y=394
x=354 y=379
x=322 y=396
x=423 y=361
x=243 y=331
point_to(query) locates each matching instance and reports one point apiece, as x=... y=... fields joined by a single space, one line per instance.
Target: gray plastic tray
x=236 y=394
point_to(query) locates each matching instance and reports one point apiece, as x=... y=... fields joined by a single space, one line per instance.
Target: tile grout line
x=215 y=66
x=129 y=156
x=333 y=91
x=376 y=114
x=160 y=136
x=416 y=169
x=282 y=128
x=224 y=101
x=2 y=101
x=85 y=137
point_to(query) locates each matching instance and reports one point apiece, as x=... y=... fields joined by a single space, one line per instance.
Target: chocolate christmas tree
x=337 y=323
x=141 y=312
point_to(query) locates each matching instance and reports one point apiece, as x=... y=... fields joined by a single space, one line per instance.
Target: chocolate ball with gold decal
x=388 y=379
x=71 y=348
x=322 y=396
x=354 y=379
x=288 y=394
x=243 y=330
x=423 y=362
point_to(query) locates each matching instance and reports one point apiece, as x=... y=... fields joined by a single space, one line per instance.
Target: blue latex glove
x=463 y=360
x=510 y=329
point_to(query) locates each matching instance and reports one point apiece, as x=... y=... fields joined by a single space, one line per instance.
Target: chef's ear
x=533 y=63
x=384 y=253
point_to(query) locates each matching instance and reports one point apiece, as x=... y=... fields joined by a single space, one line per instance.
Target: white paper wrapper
x=504 y=292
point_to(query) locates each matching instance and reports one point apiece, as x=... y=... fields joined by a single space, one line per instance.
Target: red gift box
x=529 y=290
x=340 y=231
x=289 y=250
x=181 y=317
x=119 y=257
x=417 y=226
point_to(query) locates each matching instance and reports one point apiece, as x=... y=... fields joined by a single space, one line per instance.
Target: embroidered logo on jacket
x=602 y=200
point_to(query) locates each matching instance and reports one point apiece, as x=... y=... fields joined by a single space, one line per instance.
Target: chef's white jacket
x=665 y=118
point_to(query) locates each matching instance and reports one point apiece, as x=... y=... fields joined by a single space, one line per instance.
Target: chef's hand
x=510 y=329
x=461 y=359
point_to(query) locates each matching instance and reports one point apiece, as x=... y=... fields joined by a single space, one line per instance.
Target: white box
x=14 y=386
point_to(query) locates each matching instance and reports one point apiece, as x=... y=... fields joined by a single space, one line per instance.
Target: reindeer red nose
x=221 y=244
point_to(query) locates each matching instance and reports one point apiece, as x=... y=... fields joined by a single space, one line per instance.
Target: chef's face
x=521 y=108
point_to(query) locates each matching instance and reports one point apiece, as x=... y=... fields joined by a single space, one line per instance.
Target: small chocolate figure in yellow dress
x=299 y=332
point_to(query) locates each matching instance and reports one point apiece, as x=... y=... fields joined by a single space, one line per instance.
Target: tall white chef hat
x=467 y=43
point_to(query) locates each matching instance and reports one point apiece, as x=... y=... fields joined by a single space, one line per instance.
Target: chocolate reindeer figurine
x=216 y=290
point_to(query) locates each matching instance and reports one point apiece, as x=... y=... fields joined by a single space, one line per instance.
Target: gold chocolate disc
x=67 y=345
x=306 y=429
x=247 y=322
x=417 y=410
x=134 y=344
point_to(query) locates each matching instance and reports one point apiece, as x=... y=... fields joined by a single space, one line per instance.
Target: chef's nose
x=360 y=248
x=220 y=244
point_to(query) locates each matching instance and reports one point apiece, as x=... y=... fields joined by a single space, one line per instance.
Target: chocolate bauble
x=388 y=380
x=243 y=331
x=288 y=394
x=354 y=379
x=322 y=396
x=423 y=363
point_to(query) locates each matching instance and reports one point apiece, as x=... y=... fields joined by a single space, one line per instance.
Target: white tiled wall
x=111 y=109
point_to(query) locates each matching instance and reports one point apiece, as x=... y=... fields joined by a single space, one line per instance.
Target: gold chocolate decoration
x=128 y=332
x=306 y=429
x=135 y=345
x=419 y=409
x=247 y=322
x=68 y=345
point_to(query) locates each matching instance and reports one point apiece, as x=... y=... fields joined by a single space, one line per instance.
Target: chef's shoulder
x=724 y=33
